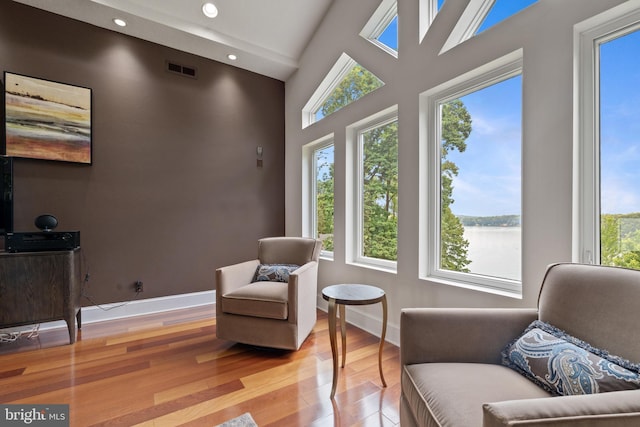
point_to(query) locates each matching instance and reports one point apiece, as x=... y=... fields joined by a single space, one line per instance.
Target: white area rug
x=243 y=420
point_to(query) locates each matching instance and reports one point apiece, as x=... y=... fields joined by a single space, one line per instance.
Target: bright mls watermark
x=34 y=415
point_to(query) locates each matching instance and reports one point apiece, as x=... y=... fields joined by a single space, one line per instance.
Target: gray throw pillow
x=565 y=365
x=274 y=272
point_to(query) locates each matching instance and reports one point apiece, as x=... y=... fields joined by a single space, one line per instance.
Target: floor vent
x=183 y=70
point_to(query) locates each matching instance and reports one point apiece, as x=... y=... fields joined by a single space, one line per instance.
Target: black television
x=6 y=190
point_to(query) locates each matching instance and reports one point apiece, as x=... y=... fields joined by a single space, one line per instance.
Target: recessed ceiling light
x=210 y=10
x=232 y=57
x=119 y=22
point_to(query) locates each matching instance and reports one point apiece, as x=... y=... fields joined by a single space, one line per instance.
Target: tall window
x=620 y=151
x=474 y=204
x=373 y=192
x=323 y=170
x=609 y=143
x=379 y=191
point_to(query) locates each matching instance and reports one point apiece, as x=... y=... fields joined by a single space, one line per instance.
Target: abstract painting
x=47 y=120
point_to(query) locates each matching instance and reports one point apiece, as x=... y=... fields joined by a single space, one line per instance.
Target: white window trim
x=309 y=188
x=430 y=151
x=428 y=11
x=468 y=24
x=340 y=69
x=588 y=36
x=354 y=206
x=379 y=22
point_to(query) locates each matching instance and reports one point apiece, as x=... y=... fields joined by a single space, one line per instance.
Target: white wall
x=545 y=33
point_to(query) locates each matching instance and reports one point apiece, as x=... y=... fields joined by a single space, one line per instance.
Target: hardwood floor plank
x=12 y=373
x=155 y=412
x=169 y=369
x=45 y=387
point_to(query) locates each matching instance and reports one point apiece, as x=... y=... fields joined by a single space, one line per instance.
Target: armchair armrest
x=234 y=276
x=303 y=287
x=429 y=335
x=615 y=409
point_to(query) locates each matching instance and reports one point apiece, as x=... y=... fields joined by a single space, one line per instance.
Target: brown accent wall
x=174 y=191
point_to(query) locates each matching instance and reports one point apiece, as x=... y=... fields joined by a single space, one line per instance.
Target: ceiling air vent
x=183 y=70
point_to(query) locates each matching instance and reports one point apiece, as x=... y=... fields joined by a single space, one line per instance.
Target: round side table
x=351 y=294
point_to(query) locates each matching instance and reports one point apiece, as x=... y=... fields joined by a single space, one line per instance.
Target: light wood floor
x=171 y=370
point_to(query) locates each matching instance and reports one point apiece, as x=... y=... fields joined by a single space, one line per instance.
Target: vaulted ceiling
x=267 y=36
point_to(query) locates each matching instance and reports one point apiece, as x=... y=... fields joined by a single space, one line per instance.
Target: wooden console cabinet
x=38 y=287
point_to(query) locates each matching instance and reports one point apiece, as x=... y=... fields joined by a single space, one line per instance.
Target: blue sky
x=620 y=124
x=489 y=178
x=501 y=10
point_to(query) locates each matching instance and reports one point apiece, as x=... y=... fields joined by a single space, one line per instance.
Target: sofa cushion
x=274 y=272
x=565 y=365
x=260 y=299
x=452 y=394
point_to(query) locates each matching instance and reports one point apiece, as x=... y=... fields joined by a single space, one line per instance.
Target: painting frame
x=46 y=119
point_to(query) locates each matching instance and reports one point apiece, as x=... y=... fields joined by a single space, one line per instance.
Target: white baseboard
x=92 y=314
x=141 y=307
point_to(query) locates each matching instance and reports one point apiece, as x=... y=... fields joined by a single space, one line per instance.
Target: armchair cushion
x=260 y=299
x=565 y=365
x=274 y=272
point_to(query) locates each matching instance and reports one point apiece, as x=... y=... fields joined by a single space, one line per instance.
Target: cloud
x=619 y=194
x=487 y=195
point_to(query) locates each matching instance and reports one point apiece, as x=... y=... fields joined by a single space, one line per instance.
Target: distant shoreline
x=490 y=221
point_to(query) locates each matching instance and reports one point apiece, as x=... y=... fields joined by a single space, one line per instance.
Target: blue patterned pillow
x=564 y=365
x=274 y=272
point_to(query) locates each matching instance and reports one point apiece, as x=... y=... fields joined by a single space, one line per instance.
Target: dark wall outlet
x=138 y=287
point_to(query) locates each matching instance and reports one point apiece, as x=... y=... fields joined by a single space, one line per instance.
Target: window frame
x=310 y=197
x=355 y=205
x=331 y=81
x=470 y=21
x=492 y=73
x=588 y=36
x=378 y=23
x=428 y=9
x=336 y=74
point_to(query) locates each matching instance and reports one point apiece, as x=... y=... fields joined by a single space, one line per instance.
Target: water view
x=494 y=251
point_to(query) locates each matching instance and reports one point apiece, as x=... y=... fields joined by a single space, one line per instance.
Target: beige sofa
x=452 y=371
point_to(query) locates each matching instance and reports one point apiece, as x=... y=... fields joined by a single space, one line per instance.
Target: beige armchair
x=452 y=371
x=271 y=312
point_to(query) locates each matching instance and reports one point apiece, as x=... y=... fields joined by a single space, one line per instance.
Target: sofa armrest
x=618 y=408
x=476 y=335
x=303 y=288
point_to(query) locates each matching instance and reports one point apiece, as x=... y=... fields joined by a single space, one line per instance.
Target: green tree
x=620 y=240
x=380 y=188
x=456 y=128
x=357 y=83
x=609 y=239
x=325 y=201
